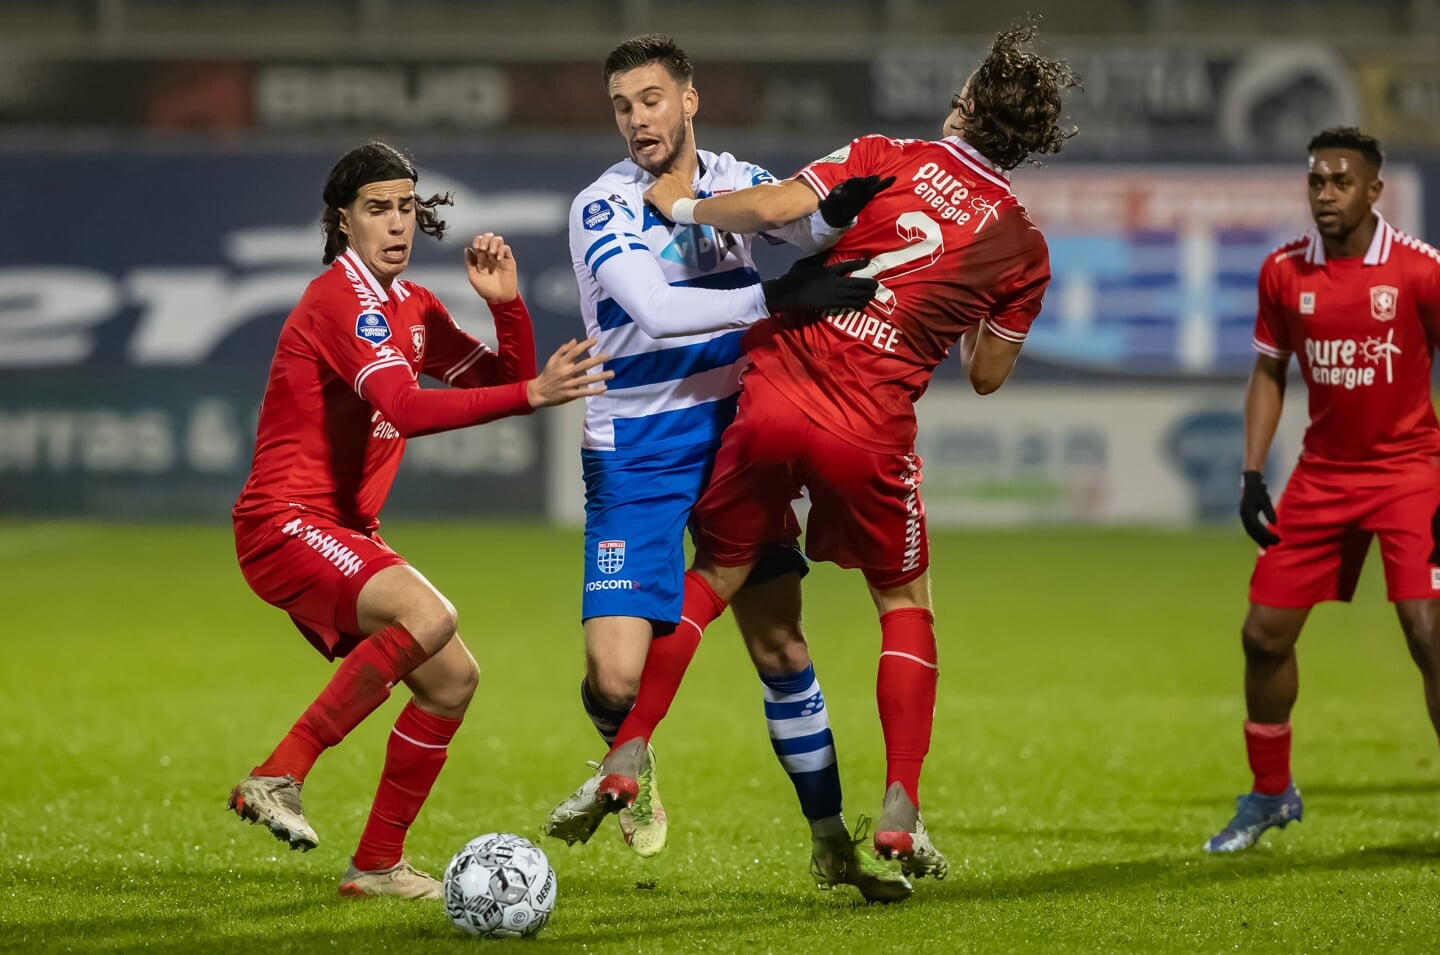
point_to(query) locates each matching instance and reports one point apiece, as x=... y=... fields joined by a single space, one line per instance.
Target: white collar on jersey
x=972 y=157
x=1377 y=254
x=361 y=277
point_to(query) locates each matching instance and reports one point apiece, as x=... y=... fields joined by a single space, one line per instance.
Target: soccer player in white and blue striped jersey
x=670 y=303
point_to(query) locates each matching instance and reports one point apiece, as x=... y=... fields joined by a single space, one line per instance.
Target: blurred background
x=163 y=164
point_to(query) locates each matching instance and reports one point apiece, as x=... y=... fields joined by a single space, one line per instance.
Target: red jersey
x=950 y=245
x=1364 y=329
x=343 y=396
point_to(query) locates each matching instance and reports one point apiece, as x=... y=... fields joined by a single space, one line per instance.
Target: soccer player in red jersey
x=341 y=400
x=1358 y=303
x=828 y=402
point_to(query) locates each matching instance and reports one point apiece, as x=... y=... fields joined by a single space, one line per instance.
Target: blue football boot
x=1254 y=813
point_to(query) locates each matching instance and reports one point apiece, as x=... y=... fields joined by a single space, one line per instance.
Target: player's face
x=1343 y=188
x=380 y=226
x=955 y=123
x=653 y=113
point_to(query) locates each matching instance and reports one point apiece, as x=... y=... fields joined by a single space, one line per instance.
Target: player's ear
x=690 y=100
x=1377 y=186
x=344 y=221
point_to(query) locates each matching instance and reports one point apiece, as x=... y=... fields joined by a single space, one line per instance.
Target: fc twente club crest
x=417 y=338
x=1382 y=302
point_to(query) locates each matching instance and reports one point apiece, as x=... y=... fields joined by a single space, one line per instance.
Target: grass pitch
x=1087 y=741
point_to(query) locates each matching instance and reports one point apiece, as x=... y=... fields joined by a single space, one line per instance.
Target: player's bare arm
x=490 y=266
x=767 y=206
x=1264 y=400
x=989 y=359
x=567 y=375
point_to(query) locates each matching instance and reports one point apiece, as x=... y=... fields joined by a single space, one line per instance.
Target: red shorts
x=865 y=507
x=313 y=570
x=1325 y=520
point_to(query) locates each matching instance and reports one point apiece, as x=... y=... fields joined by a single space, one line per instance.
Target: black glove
x=845 y=201
x=1254 y=502
x=810 y=284
x=1435 y=537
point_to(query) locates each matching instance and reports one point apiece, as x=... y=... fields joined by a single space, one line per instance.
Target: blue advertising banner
x=141 y=296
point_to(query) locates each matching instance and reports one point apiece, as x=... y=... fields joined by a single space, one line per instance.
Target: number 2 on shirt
x=923 y=242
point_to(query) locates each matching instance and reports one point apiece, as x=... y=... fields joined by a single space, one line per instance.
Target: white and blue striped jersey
x=669 y=303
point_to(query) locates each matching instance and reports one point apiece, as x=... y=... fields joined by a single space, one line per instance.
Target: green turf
x=1087 y=741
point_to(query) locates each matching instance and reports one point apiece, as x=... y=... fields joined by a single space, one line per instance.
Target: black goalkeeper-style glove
x=1255 y=502
x=1435 y=537
x=812 y=285
x=845 y=201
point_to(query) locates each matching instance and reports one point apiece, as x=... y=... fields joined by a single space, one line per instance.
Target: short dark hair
x=650 y=48
x=1349 y=137
x=1015 y=100
x=372 y=162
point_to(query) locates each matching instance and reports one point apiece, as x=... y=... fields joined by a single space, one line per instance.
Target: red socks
x=667 y=660
x=357 y=689
x=905 y=692
x=413 y=759
x=1268 y=746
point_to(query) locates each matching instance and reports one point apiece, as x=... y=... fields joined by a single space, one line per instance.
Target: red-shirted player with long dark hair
x=828 y=402
x=1358 y=302
x=341 y=400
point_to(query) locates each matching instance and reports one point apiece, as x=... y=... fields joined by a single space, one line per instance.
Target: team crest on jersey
x=1382 y=302
x=1307 y=303
x=417 y=338
x=610 y=557
x=370 y=326
x=597 y=214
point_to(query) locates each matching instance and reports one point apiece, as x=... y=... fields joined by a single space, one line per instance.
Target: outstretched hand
x=566 y=375
x=812 y=285
x=666 y=191
x=490 y=266
x=845 y=201
x=1254 y=503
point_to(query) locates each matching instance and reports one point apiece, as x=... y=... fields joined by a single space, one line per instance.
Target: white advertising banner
x=1162 y=455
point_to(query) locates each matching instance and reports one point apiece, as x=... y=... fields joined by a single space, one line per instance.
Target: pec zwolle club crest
x=610 y=557
x=1382 y=302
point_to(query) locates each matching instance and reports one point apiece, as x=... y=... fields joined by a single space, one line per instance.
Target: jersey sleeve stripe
x=463 y=366
x=815 y=183
x=606 y=257
x=1005 y=333
x=1265 y=348
x=604 y=240
x=375 y=366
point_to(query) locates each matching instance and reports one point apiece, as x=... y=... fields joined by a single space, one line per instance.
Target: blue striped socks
x=800 y=734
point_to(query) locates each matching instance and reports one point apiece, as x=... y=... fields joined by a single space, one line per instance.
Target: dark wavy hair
x=1348 y=137
x=372 y=162
x=650 y=48
x=1015 y=102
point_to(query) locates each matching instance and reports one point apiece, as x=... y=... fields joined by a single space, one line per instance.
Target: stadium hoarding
x=178 y=283
x=130 y=443
x=1055 y=454
x=1165 y=98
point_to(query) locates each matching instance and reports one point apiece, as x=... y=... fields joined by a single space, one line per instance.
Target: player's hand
x=490 y=266
x=845 y=201
x=1255 y=502
x=811 y=284
x=1435 y=537
x=666 y=191
x=567 y=376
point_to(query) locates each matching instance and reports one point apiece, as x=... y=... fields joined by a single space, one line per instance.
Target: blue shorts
x=637 y=509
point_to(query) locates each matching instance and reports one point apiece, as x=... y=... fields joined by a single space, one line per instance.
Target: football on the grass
x=500 y=885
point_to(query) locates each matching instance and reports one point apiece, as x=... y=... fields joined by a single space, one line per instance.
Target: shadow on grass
x=1171 y=872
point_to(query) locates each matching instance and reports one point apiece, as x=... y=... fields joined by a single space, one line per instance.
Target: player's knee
x=433 y=624
x=1423 y=640
x=613 y=689
x=1264 y=644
